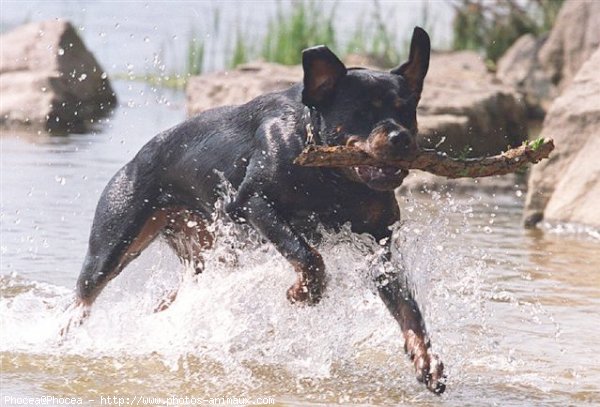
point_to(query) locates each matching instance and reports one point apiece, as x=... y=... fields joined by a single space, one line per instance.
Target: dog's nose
x=400 y=138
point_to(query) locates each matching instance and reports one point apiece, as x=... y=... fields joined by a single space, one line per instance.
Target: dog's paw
x=75 y=315
x=166 y=301
x=429 y=370
x=307 y=291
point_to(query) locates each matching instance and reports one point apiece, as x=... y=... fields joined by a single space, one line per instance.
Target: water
x=514 y=314
x=152 y=37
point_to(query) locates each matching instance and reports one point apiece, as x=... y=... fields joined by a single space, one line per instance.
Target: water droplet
x=146 y=39
x=82 y=77
x=104 y=75
x=61 y=51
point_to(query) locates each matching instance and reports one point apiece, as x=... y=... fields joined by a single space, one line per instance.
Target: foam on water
x=236 y=315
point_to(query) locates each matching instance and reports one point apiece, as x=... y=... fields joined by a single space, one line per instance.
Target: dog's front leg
x=307 y=262
x=396 y=294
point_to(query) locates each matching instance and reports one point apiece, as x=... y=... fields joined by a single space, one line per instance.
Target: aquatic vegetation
x=241 y=51
x=304 y=25
x=301 y=25
x=493 y=26
x=195 y=55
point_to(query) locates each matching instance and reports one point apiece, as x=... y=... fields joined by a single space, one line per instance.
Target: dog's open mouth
x=381 y=178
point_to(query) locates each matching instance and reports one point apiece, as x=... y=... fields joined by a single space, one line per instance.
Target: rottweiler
x=170 y=187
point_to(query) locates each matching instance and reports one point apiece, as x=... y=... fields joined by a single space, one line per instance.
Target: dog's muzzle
x=381 y=178
x=388 y=140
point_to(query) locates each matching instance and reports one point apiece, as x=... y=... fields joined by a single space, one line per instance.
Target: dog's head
x=373 y=109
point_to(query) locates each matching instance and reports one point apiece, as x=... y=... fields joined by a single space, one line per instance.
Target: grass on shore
x=489 y=26
x=492 y=26
x=305 y=23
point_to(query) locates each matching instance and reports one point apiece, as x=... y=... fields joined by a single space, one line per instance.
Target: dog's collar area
x=312 y=118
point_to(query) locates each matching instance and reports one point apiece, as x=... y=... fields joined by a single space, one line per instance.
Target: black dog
x=170 y=187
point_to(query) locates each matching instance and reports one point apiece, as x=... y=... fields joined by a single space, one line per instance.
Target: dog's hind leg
x=126 y=221
x=186 y=233
x=398 y=298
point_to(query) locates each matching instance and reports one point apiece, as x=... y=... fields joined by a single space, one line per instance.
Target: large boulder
x=566 y=188
x=463 y=110
x=541 y=67
x=519 y=67
x=48 y=78
x=572 y=41
x=238 y=85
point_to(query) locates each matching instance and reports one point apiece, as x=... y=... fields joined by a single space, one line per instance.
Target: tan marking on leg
x=145 y=236
x=186 y=233
x=310 y=282
x=429 y=369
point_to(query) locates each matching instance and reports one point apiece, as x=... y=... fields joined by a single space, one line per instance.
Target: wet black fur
x=253 y=146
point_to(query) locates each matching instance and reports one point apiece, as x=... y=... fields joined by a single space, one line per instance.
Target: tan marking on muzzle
x=377 y=143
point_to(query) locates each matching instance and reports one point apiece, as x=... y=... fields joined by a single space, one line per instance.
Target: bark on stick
x=430 y=160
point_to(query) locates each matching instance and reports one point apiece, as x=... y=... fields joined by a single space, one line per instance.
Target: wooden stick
x=430 y=160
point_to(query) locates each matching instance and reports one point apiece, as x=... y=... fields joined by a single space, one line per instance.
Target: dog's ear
x=415 y=69
x=322 y=71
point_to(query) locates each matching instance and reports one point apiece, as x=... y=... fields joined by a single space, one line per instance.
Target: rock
x=462 y=110
x=436 y=129
x=541 y=68
x=423 y=182
x=371 y=61
x=573 y=39
x=48 y=79
x=239 y=85
x=566 y=188
x=519 y=67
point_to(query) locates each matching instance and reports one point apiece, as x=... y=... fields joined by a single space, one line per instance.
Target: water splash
x=233 y=322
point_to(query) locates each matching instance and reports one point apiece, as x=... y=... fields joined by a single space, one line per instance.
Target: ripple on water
x=231 y=330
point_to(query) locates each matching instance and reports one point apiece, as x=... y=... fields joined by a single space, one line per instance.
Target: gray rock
x=463 y=107
x=464 y=110
x=566 y=188
x=572 y=41
x=420 y=182
x=239 y=85
x=434 y=130
x=540 y=68
x=49 y=80
x=519 y=67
